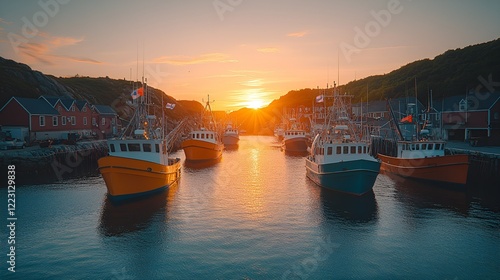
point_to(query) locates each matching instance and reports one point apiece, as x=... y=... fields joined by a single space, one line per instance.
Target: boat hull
x=230 y=140
x=446 y=169
x=196 y=150
x=128 y=178
x=295 y=145
x=355 y=177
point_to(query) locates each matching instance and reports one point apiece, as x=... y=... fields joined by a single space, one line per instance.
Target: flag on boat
x=407 y=119
x=319 y=98
x=136 y=93
x=170 y=106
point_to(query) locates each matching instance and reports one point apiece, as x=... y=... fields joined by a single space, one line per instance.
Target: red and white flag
x=136 y=93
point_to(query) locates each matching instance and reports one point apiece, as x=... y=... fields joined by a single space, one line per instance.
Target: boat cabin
x=204 y=135
x=421 y=149
x=153 y=150
x=294 y=133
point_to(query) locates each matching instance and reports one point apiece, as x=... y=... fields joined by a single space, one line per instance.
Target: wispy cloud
x=252 y=83
x=43 y=49
x=189 y=60
x=268 y=50
x=297 y=34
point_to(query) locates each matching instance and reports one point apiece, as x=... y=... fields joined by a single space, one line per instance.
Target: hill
x=20 y=80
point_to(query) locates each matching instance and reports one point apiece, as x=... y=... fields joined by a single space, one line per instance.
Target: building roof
x=104 y=110
x=475 y=101
x=80 y=104
x=65 y=101
x=35 y=106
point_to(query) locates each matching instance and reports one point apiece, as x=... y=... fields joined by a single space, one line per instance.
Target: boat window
x=203 y=136
x=339 y=150
x=353 y=149
x=157 y=148
x=146 y=147
x=442 y=146
x=123 y=147
x=346 y=150
x=424 y=146
x=112 y=147
x=364 y=149
x=197 y=136
x=360 y=150
x=134 y=147
x=211 y=136
x=329 y=151
x=430 y=146
x=417 y=147
x=438 y=147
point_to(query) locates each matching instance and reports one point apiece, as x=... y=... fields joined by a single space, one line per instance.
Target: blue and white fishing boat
x=340 y=160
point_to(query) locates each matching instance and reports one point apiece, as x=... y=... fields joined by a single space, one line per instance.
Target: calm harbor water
x=253 y=215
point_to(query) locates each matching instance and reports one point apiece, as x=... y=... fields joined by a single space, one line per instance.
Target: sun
x=255 y=104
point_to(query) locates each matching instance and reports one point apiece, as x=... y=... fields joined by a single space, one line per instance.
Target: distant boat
x=204 y=143
x=295 y=139
x=421 y=157
x=231 y=136
x=138 y=165
x=279 y=132
x=339 y=160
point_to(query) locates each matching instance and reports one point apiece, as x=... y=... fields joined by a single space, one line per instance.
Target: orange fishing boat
x=138 y=164
x=420 y=154
x=204 y=143
x=426 y=160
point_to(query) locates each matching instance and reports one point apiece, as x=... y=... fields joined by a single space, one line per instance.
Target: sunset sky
x=244 y=53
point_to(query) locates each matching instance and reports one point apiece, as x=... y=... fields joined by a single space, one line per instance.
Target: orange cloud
x=268 y=50
x=43 y=47
x=188 y=60
x=297 y=34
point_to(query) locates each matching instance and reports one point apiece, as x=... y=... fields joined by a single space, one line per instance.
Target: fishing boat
x=295 y=140
x=231 y=136
x=138 y=164
x=340 y=159
x=421 y=154
x=204 y=143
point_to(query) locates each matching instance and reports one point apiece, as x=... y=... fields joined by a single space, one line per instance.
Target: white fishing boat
x=339 y=159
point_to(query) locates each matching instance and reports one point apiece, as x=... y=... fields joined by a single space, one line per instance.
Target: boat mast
x=416 y=109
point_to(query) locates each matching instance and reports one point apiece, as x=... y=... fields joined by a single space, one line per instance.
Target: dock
x=37 y=165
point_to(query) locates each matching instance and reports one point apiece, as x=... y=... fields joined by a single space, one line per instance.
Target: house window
x=84 y=109
x=94 y=122
x=73 y=120
x=41 y=120
x=72 y=108
x=63 y=120
x=113 y=120
x=84 y=120
x=462 y=106
x=103 y=121
x=55 y=121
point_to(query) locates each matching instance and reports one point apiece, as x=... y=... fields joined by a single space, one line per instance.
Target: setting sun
x=255 y=104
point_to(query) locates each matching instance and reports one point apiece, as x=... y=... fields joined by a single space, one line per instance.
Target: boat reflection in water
x=200 y=164
x=118 y=218
x=349 y=208
x=425 y=195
